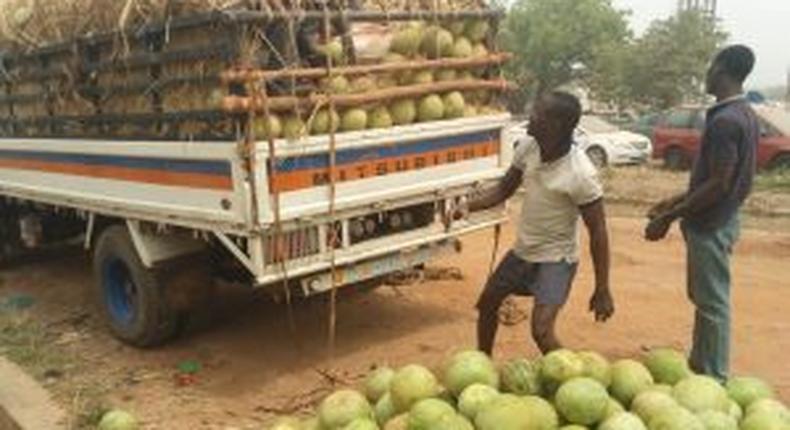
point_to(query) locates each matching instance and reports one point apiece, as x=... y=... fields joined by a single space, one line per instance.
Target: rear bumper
x=383 y=256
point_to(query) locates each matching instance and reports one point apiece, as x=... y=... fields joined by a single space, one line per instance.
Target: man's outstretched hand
x=665 y=206
x=602 y=304
x=658 y=227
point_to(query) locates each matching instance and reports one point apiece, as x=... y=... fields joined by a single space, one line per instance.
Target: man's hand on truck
x=456 y=209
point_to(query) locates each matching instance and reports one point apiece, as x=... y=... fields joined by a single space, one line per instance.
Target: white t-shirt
x=549 y=223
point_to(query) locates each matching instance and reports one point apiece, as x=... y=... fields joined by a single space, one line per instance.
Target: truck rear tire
x=131 y=296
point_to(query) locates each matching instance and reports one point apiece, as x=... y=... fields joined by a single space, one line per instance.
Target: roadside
x=248 y=364
x=632 y=190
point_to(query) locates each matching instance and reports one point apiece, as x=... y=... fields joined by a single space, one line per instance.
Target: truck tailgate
x=378 y=166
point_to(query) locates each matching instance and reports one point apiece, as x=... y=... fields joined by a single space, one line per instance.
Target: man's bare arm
x=594 y=216
x=707 y=195
x=498 y=194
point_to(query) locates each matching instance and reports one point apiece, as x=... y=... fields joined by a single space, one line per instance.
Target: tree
x=667 y=65
x=554 y=39
x=610 y=78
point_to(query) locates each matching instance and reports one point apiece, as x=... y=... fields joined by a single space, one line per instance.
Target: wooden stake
x=316 y=73
x=233 y=104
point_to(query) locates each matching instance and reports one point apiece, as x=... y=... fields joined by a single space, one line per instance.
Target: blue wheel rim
x=120 y=291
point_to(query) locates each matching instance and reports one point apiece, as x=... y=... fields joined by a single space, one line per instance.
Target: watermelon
x=384 y=409
x=412 y=384
x=747 y=390
x=117 y=419
x=676 y=418
x=426 y=413
x=582 y=401
x=467 y=368
x=716 y=420
x=342 y=407
x=362 y=424
x=558 y=367
x=400 y=422
x=623 y=421
x=764 y=421
x=474 y=397
x=521 y=377
x=667 y=366
x=701 y=393
x=648 y=404
x=378 y=383
x=613 y=408
x=597 y=367
x=629 y=378
x=769 y=406
x=509 y=412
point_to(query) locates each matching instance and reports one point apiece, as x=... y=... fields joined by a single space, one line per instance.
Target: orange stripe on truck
x=306 y=178
x=148 y=176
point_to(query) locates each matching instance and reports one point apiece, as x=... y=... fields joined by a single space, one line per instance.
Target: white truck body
x=205 y=188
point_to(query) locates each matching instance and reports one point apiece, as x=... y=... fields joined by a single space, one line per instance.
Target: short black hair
x=565 y=108
x=736 y=61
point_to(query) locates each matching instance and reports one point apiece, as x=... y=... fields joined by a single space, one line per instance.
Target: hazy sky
x=762 y=24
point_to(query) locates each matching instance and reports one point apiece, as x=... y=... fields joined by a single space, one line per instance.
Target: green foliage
x=668 y=64
x=556 y=42
x=553 y=40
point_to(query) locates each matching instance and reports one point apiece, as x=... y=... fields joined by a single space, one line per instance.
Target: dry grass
x=34 y=346
x=644 y=186
x=776 y=181
x=26 y=342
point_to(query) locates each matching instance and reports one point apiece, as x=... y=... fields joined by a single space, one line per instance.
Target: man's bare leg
x=488 y=322
x=544 y=318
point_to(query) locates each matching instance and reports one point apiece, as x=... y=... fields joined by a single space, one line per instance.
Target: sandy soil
x=254 y=365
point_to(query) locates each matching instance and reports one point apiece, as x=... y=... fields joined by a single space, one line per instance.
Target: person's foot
x=694 y=368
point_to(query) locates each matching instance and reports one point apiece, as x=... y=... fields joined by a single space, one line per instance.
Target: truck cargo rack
x=141 y=84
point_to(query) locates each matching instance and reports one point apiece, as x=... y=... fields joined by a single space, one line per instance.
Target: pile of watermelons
x=562 y=390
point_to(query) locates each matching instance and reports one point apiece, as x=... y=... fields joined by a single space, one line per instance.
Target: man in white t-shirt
x=560 y=186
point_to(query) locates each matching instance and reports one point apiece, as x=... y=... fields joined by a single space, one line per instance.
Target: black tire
x=597 y=155
x=9 y=234
x=676 y=160
x=130 y=296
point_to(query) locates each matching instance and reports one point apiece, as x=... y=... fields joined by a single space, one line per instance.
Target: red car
x=677 y=137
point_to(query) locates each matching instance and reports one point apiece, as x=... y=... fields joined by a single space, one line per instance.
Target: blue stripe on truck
x=349 y=156
x=210 y=167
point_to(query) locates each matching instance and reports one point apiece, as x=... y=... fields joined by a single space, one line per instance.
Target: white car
x=604 y=143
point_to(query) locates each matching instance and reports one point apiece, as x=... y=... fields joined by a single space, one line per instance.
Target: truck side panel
x=194 y=184
x=376 y=167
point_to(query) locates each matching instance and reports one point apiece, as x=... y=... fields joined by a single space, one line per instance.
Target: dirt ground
x=253 y=365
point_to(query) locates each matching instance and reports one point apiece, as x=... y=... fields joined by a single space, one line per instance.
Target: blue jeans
x=709 y=284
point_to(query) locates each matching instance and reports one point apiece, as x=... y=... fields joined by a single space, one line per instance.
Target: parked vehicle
x=678 y=137
x=168 y=196
x=604 y=143
x=645 y=124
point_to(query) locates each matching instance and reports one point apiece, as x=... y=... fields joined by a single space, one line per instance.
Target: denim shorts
x=549 y=283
